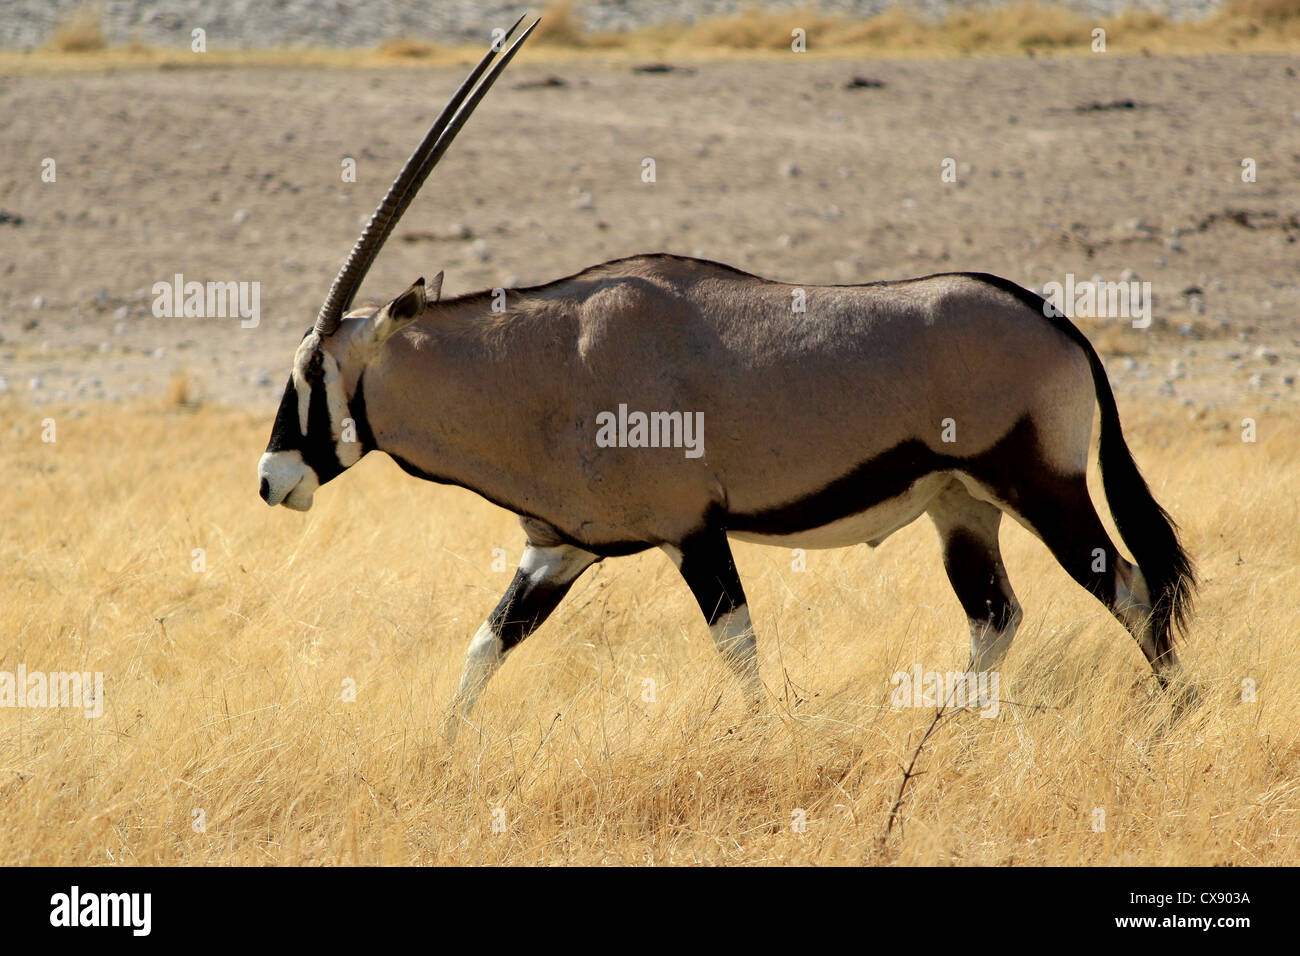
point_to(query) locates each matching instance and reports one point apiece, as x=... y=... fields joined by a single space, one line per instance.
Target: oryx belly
x=871 y=525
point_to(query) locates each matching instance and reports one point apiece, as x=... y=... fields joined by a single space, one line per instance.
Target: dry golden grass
x=1015 y=29
x=408 y=49
x=223 y=687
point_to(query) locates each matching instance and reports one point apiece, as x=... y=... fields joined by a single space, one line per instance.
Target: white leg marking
x=733 y=636
x=482 y=658
x=1133 y=605
x=988 y=647
x=555 y=566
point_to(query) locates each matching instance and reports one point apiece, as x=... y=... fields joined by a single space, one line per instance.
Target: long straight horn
x=410 y=179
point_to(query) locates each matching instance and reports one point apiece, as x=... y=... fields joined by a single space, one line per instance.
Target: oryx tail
x=1146 y=527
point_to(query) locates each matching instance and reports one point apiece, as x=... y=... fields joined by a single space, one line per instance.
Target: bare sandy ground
x=1091 y=165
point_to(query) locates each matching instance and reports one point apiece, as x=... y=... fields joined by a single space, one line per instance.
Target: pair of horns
x=411 y=178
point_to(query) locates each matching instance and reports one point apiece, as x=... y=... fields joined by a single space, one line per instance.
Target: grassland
x=226 y=736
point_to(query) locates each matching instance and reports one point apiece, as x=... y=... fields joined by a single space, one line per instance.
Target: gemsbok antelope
x=959 y=395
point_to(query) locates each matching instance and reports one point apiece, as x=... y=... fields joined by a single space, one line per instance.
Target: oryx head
x=312 y=440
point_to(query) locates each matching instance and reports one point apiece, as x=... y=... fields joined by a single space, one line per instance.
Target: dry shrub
x=83 y=32
x=759 y=30
x=1268 y=12
x=559 y=27
x=898 y=27
x=182 y=390
x=405 y=48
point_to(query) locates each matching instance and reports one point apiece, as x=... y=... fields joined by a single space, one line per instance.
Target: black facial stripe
x=284 y=431
x=357 y=409
x=317 y=447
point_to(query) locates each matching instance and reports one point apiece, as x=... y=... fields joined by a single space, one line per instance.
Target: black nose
x=264 y=489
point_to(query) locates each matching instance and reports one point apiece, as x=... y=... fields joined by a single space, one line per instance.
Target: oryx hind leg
x=706 y=564
x=545 y=574
x=968 y=532
x=1059 y=510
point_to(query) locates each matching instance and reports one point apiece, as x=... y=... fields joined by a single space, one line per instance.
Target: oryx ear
x=402 y=311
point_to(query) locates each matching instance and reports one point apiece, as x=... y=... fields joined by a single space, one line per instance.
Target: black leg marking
x=968 y=531
x=710 y=573
x=1060 y=511
x=979 y=580
x=543 y=579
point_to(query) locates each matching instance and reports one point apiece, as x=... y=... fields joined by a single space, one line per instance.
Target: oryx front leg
x=706 y=564
x=545 y=575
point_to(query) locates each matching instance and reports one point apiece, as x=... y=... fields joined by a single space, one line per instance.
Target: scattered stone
x=662 y=68
x=551 y=82
x=240 y=216
x=1096 y=106
x=790 y=170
